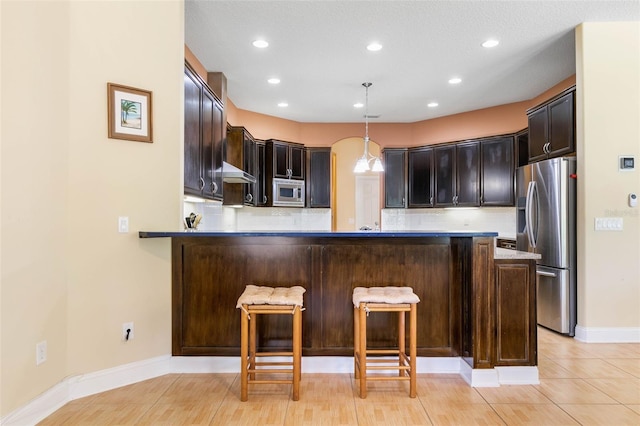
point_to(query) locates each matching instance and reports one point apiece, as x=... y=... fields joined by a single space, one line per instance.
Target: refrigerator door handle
x=546 y=274
x=528 y=213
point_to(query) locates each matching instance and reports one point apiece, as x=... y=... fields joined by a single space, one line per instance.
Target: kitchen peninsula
x=464 y=311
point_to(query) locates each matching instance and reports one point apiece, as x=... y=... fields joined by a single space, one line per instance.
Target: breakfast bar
x=451 y=272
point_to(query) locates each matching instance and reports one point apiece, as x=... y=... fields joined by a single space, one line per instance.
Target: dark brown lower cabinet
x=515 y=295
x=451 y=275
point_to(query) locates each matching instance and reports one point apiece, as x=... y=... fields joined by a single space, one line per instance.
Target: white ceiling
x=317 y=49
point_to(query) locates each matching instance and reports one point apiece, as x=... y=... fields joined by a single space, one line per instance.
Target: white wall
x=608 y=125
x=68 y=276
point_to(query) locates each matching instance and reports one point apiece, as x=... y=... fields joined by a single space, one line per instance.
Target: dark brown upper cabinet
x=457 y=174
x=285 y=159
x=204 y=133
x=420 y=177
x=552 y=127
x=395 y=177
x=318 y=181
x=522 y=147
x=498 y=177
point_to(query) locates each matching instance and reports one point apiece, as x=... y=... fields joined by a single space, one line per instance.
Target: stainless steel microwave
x=288 y=193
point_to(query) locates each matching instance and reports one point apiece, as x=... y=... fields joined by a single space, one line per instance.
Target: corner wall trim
x=607 y=334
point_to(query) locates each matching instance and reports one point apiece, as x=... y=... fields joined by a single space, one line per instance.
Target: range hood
x=232 y=174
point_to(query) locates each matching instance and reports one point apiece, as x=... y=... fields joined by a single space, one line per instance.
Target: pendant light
x=362 y=165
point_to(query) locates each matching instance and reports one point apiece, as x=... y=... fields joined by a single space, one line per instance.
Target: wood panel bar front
x=452 y=275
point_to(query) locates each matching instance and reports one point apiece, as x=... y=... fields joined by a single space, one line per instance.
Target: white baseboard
x=101 y=381
x=607 y=334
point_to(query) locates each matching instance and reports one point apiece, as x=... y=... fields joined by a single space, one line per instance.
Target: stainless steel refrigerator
x=546 y=224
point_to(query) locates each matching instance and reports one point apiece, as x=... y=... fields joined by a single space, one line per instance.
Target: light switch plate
x=123 y=224
x=609 y=224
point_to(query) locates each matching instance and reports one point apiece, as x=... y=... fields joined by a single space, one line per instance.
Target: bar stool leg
x=297 y=349
x=401 y=342
x=252 y=344
x=363 y=351
x=413 y=322
x=244 y=349
x=356 y=341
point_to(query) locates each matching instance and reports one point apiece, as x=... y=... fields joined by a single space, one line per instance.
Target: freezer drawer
x=554 y=299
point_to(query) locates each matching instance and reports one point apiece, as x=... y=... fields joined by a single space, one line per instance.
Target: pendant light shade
x=363 y=163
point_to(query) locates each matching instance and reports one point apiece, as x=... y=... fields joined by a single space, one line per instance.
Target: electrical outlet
x=127 y=331
x=41 y=352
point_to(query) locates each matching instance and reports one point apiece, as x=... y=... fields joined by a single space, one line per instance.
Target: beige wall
x=68 y=276
x=608 y=125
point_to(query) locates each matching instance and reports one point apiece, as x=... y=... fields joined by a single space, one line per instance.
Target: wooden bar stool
x=257 y=300
x=384 y=299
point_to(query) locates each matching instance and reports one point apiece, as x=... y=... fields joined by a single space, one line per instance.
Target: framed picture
x=129 y=113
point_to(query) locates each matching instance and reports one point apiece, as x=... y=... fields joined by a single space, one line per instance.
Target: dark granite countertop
x=315 y=234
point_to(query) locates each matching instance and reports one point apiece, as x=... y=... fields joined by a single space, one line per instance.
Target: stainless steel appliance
x=288 y=193
x=546 y=224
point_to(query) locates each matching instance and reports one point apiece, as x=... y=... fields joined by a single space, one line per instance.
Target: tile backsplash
x=499 y=219
x=216 y=217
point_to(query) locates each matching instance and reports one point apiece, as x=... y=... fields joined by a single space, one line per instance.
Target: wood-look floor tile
x=383 y=390
x=463 y=414
x=339 y=411
x=447 y=390
x=322 y=387
x=97 y=414
x=392 y=412
x=549 y=369
x=533 y=414
x=198 y=387
x=628 y=365
x=617 y=415
x=617 y=350
x=573 y=391
x=513 y=394
x=624 y=391
x=592 y=368
x=258 y=410
x=634 y=407
x=179 y=413
x=147 y=391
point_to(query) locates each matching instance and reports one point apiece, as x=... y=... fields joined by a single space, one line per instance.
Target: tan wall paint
x=608 y=125
x=68 y=276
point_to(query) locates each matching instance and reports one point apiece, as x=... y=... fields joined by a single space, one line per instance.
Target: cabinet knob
x=249 y=198
x=201 y=183
x=214 y=187
x=264 y=199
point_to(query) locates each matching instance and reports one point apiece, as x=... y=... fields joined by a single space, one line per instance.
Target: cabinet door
x=394 y=178
x=249 y=166
x=219 y=135
x=515 y=295
x=467 y=174
x=280 y=160
x=296 y=162
x=420 y=177
x=319 y=178
x=209 y=113
x=497 y=172
x=192 y=156
x=444 y=172
x=538 y=125
x=261 y=191
x=561 y=126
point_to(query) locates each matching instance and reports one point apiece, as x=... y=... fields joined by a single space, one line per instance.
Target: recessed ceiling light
x=432 y=104
x=273 y=81
x=260 y=44
x=374 y=47
x=358 y=105
x=283 y=104
x=455 y=80
x=490 y=43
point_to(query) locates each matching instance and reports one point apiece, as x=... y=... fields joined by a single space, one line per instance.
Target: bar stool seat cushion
x=263 y=295
x=388 y=294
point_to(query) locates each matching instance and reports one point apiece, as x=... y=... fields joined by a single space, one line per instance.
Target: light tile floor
x=580 y=384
